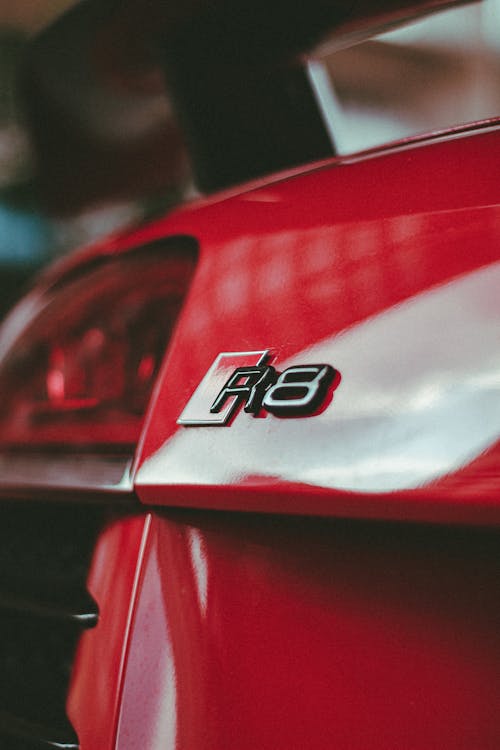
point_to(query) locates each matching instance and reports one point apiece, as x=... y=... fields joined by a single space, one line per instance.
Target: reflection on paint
x=149 y=704
x=419 y=398
x=199 y=565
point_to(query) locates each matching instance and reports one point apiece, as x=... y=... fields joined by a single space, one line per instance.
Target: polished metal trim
x=28 y=473
x=197 y=412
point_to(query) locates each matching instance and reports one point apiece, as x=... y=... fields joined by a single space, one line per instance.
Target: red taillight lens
x=81 y=372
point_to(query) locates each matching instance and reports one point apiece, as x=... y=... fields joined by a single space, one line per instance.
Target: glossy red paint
x=272 y=632
x=240 y=631
x=397 y=288
x=95 y=691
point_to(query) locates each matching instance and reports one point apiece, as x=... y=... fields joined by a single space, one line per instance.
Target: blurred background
x=89 y=139
x=87 y=145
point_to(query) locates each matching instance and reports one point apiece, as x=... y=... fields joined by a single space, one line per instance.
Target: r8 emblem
x=246 y=378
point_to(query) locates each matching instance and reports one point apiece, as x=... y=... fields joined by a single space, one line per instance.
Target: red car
x=250 y=451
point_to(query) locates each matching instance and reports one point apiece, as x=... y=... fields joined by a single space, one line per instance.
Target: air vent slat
x=25 y=735
x=83 y=616
x=45 y=553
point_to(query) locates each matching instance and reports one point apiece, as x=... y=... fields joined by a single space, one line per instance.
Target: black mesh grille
x=45 y=552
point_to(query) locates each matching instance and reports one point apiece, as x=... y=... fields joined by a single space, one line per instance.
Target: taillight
x=82 y=369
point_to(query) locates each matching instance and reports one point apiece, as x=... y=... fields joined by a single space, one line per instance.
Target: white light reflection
x=433 y=73
x=419 y=398
x=148 y=715
x=162 y=683
x=199 y=565
x=164 y=729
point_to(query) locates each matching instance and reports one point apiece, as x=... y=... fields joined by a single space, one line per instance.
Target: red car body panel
x=264 y=631
x=95 y=692
x=387 y=269
x=322 y=582
x=223 y=630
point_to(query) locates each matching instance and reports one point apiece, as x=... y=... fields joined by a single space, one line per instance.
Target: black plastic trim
x=32 y=736
x=85 y=616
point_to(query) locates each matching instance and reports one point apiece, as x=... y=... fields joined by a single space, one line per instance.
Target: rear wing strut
x=242 y=91
x=234 y=74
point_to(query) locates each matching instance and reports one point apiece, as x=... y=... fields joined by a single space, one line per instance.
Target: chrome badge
x=246 y=378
